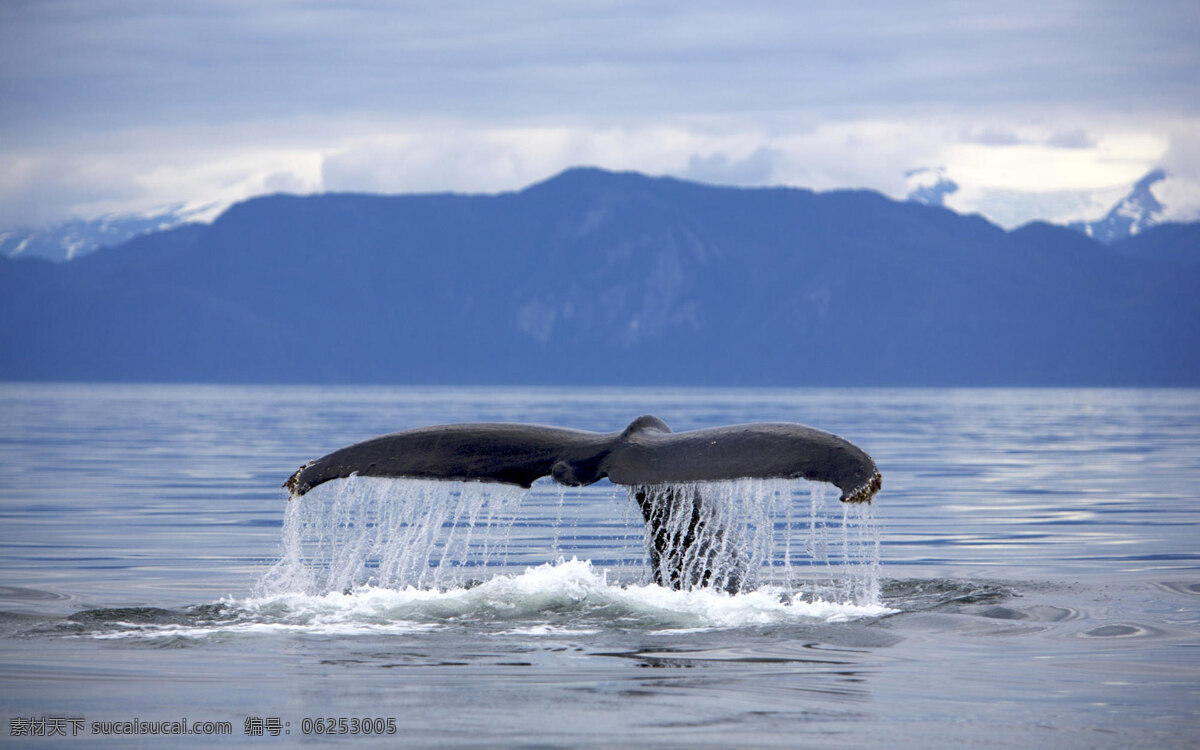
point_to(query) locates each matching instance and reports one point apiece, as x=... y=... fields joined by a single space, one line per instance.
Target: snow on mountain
x=1137 y=211
x=1155 y=199
x=929 y=186
x=78 y=237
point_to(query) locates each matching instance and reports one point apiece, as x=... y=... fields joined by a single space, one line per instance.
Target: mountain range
x=1137 y=210
x=595 y=277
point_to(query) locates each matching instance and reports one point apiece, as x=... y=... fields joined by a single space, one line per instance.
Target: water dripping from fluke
x=729 y=536
x=393 y=533
x=713 y=500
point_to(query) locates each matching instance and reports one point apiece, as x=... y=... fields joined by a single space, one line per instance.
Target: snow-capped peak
x=77 y=237
x=1148 y=203
x=929 y=186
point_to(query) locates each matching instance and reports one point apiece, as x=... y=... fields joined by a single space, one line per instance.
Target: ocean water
x=1028 y=577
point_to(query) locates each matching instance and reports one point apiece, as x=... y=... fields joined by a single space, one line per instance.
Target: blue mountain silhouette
x=618 y=278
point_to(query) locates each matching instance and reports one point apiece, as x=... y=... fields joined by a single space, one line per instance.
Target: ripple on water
x=919 y=595
x=1186 y=588
x=131 y=615
x=1122 y=630
x=19 y=594
x=1041 y=613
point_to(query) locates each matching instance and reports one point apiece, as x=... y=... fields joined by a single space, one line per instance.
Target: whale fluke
x=644 y=456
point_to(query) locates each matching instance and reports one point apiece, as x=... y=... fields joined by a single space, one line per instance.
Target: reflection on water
x=1039 y=576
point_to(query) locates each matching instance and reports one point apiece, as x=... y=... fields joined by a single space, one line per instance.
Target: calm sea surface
x=1038 y=582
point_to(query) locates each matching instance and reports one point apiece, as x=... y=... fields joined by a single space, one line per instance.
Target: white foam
x=564 y=598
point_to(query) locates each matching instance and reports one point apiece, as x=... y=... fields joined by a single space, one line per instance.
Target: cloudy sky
x=1041 y=109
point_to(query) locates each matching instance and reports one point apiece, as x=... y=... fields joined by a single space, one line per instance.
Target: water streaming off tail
x=392 y=533
x=429 y=534
x=745 y=533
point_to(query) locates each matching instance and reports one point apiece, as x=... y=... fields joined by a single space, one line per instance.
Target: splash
x=567 y=598
x=392 y=533
x=435 y=535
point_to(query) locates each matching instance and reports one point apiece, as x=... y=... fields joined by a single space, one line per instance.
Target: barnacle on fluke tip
x=864 y=493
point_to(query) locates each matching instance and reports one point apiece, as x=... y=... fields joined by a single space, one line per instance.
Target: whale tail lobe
x=660 y=467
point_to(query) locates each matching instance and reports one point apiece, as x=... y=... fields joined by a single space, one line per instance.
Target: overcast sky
x=1037 y=109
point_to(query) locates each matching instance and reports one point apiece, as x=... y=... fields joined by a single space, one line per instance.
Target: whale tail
x=657 y=465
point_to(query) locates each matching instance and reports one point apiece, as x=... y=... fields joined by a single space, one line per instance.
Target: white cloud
x=1039 y=179
x=1180 y=191
x=757 y=168
x=448 y=160
x=46 y=186
x=1119 y=159
x=1180 y=198
x=1011 y=181
x=462 y=159
x=136 y=104
x=1034 y=174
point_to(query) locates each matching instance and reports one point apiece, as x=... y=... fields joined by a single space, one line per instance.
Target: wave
x=563 y=597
